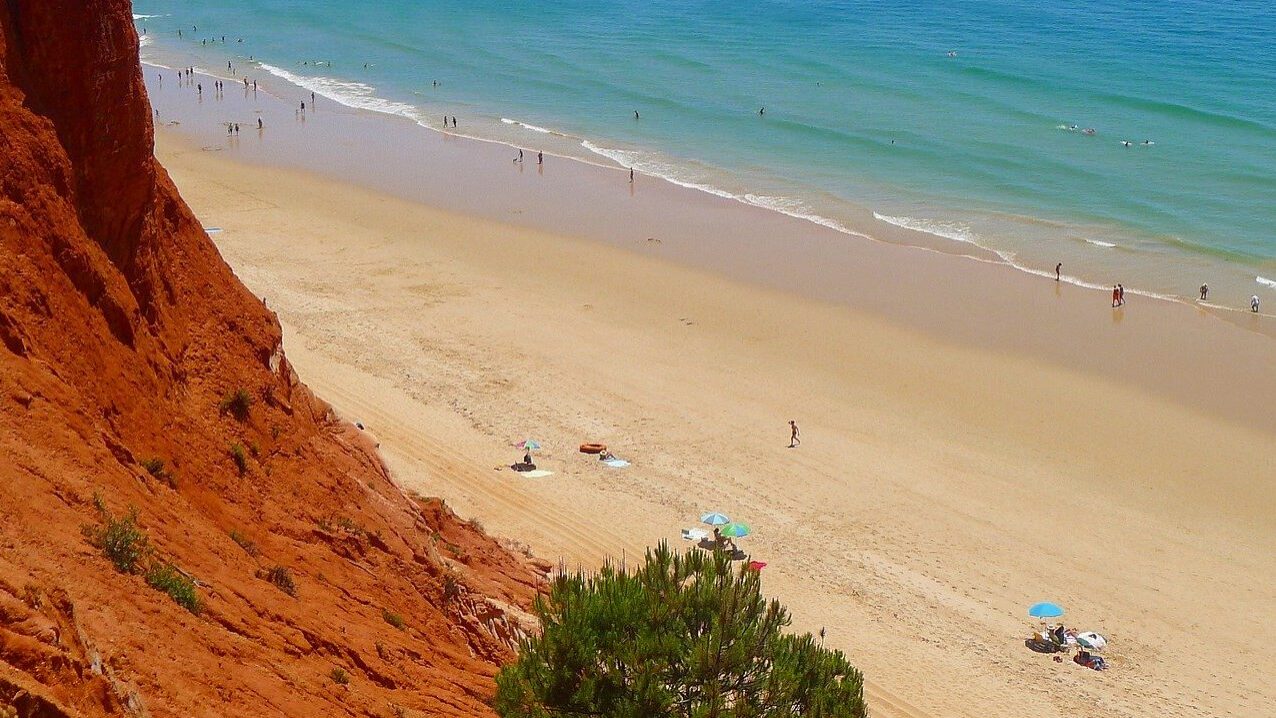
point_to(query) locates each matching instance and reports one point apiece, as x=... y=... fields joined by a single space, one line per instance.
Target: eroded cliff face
x=122 y=335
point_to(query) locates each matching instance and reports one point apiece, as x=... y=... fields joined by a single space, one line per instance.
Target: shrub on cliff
x=179 y=587
x=122 y=541
x=237 y=403
x=239 y=458
x=685 y=635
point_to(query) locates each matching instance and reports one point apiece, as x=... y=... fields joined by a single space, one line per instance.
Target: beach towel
x=694 y=534
x=616 y=463
x=537 y=474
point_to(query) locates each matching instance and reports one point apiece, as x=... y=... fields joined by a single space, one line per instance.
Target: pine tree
x=685 y=635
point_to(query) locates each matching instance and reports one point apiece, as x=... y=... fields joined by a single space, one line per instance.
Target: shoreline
x=926 y=288
x=1085 y=259
x=941 y=487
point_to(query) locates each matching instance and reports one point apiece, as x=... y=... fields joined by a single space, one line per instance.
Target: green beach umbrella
x=735 y=530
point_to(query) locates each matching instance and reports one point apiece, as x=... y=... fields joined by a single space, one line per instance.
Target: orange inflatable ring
x=592 y=448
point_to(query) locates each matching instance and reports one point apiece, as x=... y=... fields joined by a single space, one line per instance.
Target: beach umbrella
x=530 y=445
x=735 y=530
x=1045 y=610
x=713 y=518
x=1091 y=640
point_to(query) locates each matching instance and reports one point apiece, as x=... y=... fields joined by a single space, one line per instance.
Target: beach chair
x=694 y=535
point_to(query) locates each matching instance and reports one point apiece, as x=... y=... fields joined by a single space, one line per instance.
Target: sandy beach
x=938 y=491
x=974 y=439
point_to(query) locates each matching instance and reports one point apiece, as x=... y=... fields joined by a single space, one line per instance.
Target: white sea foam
x=146 y=17
x=1098 y=243
x=1266 y=282
x=526 y=126
x=143 y=40
x=350 y=94
x=948 y=230
x=796 y=208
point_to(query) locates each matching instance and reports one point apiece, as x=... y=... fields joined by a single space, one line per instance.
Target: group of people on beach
x=1118 y=296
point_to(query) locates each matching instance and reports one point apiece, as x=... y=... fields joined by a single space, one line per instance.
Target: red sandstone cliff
x=121 y=333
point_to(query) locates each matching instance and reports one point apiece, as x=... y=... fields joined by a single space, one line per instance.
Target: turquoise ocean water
x=867 y=112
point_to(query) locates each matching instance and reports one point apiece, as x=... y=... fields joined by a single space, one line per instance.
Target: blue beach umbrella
x=735 y=530
x=530 y=445
x=1045 y=610
x=714 y=518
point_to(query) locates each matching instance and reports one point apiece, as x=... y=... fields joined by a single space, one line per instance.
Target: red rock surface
x=121 y=330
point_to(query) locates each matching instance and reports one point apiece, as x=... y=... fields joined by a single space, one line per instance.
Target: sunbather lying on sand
x=1089 y=660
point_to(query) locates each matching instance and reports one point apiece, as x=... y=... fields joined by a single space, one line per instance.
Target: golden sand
x=941 y=487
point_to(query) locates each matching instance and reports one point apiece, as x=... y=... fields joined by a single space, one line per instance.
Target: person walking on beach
x=631 y=175
x=1116 y=296
x=199 y=89
x=454 y=122
x=1121 y=295
x=540 y=158
x=1205 y=292
x=259 y=126
x=1057 y=268
x=794 y=439
x=1253 y=304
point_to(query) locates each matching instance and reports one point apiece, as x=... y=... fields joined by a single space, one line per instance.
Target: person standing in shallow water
x=631 y=175
x=1116 y=296
x=1205 y=292
x=1057 y=268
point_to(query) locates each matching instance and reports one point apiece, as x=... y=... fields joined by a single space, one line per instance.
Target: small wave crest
x=649 y=164
x=146 y=17
x=1266 y=282
x=351 y=94
x=948 y=230
x=1100 y=243
x=533 y=128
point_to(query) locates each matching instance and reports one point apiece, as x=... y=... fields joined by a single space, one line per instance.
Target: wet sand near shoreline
x=1183 y=352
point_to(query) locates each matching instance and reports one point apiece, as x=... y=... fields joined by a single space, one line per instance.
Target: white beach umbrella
x=1091 y=640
